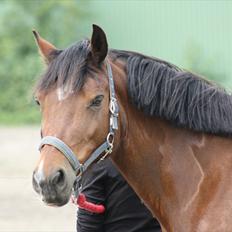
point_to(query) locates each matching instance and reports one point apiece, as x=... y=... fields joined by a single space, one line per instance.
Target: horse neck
x=154 y=157
x=139 y=159
x=139 y=138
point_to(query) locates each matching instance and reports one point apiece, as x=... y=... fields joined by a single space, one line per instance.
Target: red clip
x=84 y=204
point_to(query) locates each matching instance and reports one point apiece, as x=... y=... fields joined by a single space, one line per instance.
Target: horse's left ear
x=99 y=46
x=46 y=49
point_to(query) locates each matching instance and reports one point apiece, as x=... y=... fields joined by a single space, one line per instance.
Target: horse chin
x=56 y=203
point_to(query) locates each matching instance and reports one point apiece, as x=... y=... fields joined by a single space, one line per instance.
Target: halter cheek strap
x=106 y=146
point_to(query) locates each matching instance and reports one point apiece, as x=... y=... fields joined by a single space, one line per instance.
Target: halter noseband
x=106 y=147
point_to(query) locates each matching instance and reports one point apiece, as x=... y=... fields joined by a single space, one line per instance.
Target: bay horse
x=171 y=132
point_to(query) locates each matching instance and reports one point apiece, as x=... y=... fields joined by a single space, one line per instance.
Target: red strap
x=91 y=207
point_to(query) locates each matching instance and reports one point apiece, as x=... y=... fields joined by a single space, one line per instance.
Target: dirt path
x=20 y=208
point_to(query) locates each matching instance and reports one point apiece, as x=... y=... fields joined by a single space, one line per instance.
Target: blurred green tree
x=60 y=21
x=198 y=62
x=64 y=21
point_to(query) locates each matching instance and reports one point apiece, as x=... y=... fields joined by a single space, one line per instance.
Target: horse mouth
x=54 y=198
x=57 y=202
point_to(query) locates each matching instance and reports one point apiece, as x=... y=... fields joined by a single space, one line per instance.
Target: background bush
x=20 y=65
x=195 y=35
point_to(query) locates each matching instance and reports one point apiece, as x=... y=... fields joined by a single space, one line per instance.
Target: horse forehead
x=95 y=84
x=63 y=93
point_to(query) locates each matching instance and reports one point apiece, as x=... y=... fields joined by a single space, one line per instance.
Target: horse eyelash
x=94 y=102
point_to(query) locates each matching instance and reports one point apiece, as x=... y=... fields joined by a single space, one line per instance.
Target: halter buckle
x=113 y=106
x=107 y=152
x=113 y=122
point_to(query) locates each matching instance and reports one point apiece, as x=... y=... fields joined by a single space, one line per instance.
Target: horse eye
x=96 y=101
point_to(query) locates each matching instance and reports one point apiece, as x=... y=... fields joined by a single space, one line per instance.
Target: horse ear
x=46 y=49
x=99 y=46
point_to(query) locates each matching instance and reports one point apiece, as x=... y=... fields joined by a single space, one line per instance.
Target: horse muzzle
x=55 y=189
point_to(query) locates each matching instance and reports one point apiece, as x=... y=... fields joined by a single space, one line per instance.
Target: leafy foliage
x=60 y=21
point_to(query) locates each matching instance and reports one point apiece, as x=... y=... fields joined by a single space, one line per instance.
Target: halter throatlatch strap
x=113 y=101
x=106 y=146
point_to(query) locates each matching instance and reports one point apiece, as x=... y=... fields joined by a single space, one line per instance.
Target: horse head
x=74 y=98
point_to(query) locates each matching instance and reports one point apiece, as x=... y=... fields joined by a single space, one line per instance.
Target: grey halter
x=106 y=146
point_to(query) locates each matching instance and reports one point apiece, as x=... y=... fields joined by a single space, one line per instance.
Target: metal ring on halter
x=110 y=139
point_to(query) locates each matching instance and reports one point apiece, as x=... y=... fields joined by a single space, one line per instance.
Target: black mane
x=186 y=100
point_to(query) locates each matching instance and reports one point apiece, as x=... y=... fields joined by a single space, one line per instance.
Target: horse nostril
x=58 y=178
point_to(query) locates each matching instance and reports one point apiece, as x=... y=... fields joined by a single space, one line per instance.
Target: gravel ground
x=20 y=208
